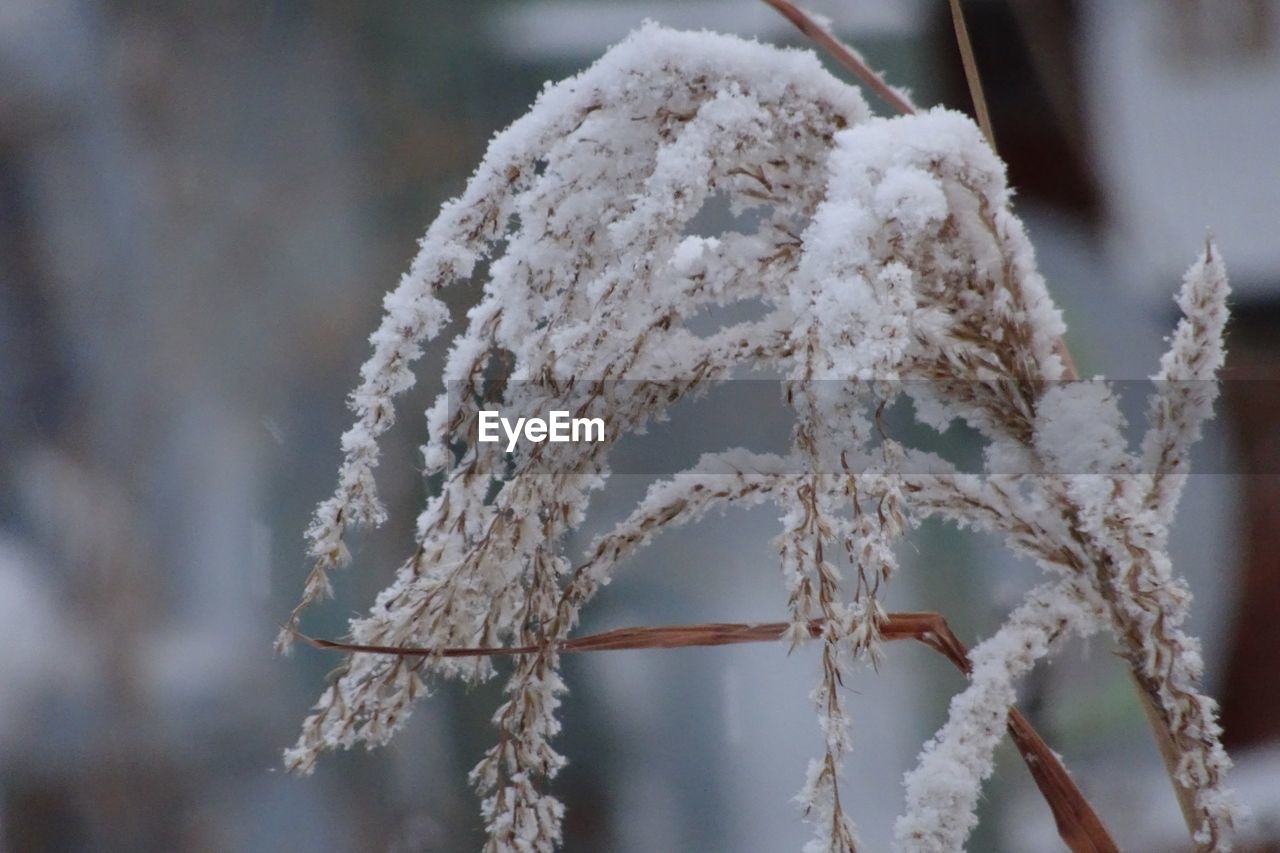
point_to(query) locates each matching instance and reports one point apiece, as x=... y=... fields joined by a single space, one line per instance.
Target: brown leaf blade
x=1078 y=824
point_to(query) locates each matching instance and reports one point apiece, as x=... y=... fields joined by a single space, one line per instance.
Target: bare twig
x=843 y=54
x=970 y=63
x=1078 y=824
x=1170 y=754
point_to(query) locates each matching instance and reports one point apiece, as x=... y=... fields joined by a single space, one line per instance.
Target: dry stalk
x=970 y=63
x=846 y=56
x=1078 y=824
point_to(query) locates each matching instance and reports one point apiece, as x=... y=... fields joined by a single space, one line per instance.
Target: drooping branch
x=902 y=259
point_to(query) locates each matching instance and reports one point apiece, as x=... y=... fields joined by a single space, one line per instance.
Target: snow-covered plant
x=886 y=251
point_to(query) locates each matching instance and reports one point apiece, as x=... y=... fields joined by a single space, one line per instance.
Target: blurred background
x=201 y=205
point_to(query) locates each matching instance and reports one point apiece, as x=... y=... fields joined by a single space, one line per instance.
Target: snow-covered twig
x=1186 y=385
x=943 y=789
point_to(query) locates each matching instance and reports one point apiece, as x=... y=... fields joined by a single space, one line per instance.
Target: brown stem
x=1169 y=753
x=843 y=54
x=1078 y=824
x=970 y=63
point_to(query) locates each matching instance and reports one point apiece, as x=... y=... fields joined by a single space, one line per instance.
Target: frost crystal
x=886 y=250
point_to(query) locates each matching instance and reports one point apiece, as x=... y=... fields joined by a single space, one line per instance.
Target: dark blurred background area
x=201 y=205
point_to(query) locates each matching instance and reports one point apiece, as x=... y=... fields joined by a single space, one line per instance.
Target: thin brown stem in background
x=843 y=54
x=970 y=63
